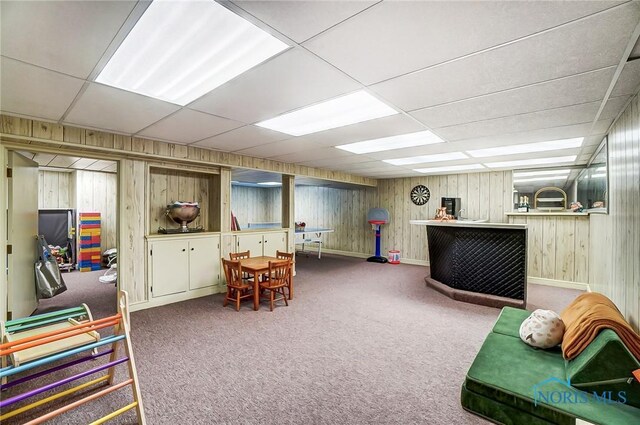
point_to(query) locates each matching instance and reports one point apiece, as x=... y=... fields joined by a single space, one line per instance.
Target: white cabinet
x=169 y=267
x=262 y=243
x=179 y=265
x=204 y=262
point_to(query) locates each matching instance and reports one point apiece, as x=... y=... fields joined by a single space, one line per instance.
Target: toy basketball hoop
x=377 y=217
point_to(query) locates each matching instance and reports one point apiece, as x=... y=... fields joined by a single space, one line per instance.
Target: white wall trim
x=559 y=283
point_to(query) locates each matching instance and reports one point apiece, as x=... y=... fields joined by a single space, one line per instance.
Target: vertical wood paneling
x=614 y=268
x=548 y=247
x=97 y=192
x=581 y=251
x=565 y=248
x=131 y=250
x=166 y=185
x=53 y=189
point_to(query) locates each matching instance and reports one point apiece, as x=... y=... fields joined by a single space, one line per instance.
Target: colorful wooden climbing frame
x=50 y=338
x=89 y=254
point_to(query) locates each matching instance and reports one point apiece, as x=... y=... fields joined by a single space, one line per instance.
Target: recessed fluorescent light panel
x=541 y=173
x=270 y=183
x=345 y=110
x=451 y=168
x=525 y=162
x=527 y=148
x=180 y=50
x=451 y=156
x=410 y=140
x=539 y=179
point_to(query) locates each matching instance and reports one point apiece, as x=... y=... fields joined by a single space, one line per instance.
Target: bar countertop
x=464 y=223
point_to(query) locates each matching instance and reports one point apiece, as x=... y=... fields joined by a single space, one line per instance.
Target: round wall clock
x=420 y=195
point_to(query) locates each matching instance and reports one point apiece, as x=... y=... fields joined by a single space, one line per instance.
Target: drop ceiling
x=477 y=74
x=55 y=162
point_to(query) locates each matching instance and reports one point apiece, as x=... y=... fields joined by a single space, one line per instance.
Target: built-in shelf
x=566 y=213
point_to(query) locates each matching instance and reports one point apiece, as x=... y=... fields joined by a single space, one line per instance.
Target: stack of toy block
x=89 y=255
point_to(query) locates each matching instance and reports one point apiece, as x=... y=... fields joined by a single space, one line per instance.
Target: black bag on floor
x=49 y=281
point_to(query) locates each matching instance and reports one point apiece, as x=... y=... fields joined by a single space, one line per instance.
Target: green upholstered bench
x=510 y=382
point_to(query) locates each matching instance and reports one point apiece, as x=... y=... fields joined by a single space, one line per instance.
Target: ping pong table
x=311 y=235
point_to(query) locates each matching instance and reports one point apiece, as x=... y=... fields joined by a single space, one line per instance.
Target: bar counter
x=480 y=263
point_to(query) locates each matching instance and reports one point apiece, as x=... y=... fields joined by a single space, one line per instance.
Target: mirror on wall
x=592 y=183
x=550 y=189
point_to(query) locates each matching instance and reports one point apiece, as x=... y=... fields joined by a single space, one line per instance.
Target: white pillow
x=542 y=329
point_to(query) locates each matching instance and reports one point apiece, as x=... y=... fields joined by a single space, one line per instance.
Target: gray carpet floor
x=361 y=343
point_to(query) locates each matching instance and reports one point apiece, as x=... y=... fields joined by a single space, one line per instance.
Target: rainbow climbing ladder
x=46 y=339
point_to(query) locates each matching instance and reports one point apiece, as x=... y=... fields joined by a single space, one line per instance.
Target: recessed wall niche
x=168 y=184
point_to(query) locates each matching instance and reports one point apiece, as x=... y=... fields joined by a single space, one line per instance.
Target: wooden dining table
x=259 y=266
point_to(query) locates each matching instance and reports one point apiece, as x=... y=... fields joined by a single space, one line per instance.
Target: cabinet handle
x=265 y=241
x=192 y=249
x=183 y=250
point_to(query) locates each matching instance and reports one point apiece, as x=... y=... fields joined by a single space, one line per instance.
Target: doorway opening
x=71 y=203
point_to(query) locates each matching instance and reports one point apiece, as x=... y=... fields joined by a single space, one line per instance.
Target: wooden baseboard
x=559 y=283
x=362 y=255
x=175 y=298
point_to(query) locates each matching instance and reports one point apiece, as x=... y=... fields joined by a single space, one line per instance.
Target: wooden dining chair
x=286 y=256
x=235 y=256
x=278 y=280
x=237 y=289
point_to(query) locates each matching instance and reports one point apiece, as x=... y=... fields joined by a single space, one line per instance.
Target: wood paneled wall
x=483 y=196
x=74 y=140
x=54 y=189
x=557 y=246
x=98 y=192
x=256 y=205
x=344 y=210
x=166 y=186
x=131 y=227
x=615 y=238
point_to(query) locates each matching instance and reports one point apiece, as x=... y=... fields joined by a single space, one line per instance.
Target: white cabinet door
x=169 y=267
x=204 y=262
x=273 y=242
x=251 y=243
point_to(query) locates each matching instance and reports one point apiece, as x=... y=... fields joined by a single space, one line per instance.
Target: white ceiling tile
x=36 y=92
x=82 y=163
x=582 y=88
x=586 y=45
x=43 y=158
x=66 y=36
x=428 y=33
x=63 y=161
x=558 y=117
x=629 y=79
x=187 y=126
x=540 y=135
x=289 y=81
x=117 y=110
x=613 y=107
x=332 y=163
x=112 y=168
x=373 y=129
x=242 y=138
x=300 y=20
x=281 y=147
x=312 y=154
x=99 y=165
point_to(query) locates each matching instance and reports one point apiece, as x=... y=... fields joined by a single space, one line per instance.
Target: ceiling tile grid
x=540 y=75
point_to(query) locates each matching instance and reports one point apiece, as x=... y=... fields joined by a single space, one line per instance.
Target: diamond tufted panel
x=485 y=260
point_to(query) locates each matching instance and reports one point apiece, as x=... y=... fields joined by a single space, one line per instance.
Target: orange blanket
x=587 y=315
